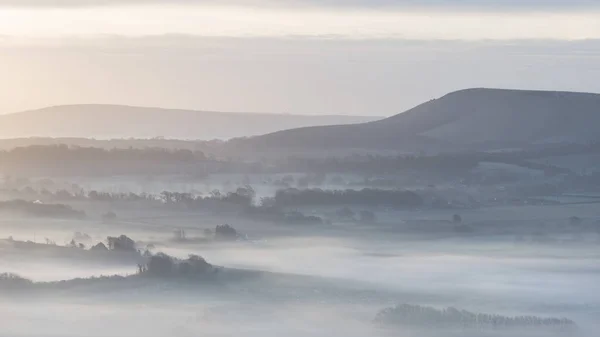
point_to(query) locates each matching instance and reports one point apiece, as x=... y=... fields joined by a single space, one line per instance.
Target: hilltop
x=481 y=119
x=117 y=121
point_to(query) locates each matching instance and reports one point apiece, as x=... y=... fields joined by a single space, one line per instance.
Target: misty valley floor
x=293 y=281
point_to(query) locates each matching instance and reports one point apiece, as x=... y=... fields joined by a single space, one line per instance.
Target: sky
x=360 y=57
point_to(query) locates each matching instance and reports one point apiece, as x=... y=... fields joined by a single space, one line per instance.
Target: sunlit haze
x=279 y=57
x=300 y=168
x=347 y=23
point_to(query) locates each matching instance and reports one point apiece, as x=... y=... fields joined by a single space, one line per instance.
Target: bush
x=121 y=243
x=100 y=247
x=163 y=265
x=194 y=265
x=225 y=232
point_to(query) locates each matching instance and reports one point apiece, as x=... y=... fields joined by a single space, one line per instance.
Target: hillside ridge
x=478 y=118
x=106 y=121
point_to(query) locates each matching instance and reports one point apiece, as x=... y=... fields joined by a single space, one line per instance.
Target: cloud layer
x=260 y=22
x=376 y=77
x=448 y=4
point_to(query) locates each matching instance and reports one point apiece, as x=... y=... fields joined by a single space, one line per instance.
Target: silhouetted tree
x=161 y=265
x=121 y=243
x=99 y=247
x=225 y=232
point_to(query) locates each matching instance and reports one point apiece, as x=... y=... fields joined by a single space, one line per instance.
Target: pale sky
x=376 y=57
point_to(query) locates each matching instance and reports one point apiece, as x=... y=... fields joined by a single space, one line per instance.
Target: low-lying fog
x=353 y=276
x=329 y=279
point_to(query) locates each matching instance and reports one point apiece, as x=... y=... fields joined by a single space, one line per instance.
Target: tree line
x=415 y=315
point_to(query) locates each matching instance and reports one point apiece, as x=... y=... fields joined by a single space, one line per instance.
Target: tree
x=198 y=264
x=167 y=197
x=121 y=243
x=242 y=196
x=215 y=194
x=225 y=232
x=101 y=247
x=161 y=265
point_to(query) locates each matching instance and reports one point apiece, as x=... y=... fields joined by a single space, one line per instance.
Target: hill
x=482 y=119
x=115 y=121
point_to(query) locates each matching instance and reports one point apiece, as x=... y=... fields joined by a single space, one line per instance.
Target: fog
x=280 y=75
x=240 y=21
x=267 y=197
x=313 y=281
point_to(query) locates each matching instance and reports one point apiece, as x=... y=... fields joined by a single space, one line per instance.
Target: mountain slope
x=472 y=118
x=114 y=121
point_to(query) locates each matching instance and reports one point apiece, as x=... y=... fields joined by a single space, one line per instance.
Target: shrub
x=225 y=232
x=100 y=247
x=121 y=243
x=161 y=265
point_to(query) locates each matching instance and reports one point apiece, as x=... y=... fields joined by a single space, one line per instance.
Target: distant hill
x=482 y=119
x=115 y=121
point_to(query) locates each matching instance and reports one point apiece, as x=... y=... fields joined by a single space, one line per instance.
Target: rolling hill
x=482 y=119
x=115 y=121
